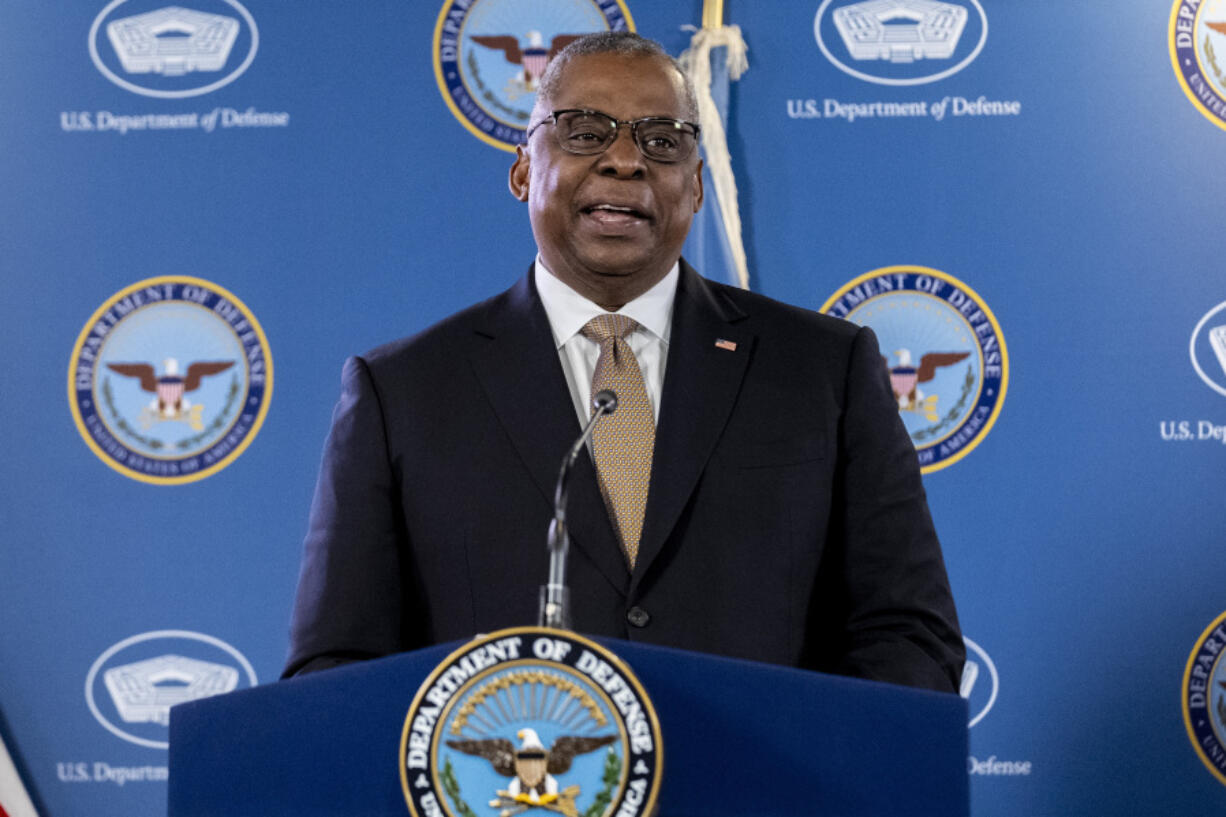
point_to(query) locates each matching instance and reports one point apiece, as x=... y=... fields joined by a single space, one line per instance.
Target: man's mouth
x=614 y=214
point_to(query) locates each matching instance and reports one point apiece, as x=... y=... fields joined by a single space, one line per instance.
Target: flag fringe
x=696 y=62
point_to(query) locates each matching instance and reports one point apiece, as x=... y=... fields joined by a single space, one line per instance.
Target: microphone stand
x=555 y=595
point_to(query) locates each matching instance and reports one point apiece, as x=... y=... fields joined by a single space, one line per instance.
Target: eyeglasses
x=587 y=133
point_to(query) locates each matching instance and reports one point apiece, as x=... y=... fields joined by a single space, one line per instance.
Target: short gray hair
x=621 y=43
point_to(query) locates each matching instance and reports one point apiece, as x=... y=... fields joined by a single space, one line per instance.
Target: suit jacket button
x=638 y=617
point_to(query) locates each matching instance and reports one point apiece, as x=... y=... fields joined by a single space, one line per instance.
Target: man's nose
x=622 y=157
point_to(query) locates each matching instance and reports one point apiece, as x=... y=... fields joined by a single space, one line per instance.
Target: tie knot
x=611 y=325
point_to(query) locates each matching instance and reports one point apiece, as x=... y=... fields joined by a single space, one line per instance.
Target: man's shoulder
x=440 y=341
x=767 y=314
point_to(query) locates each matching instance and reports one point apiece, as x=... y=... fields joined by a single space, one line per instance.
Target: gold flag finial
x=713 y=14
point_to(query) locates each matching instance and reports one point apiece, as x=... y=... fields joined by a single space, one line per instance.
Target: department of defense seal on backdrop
x=489 y=55
x=170 y=380
x=1204 y=697
x=531 y=720
x=944 y=350
x=1197 y=41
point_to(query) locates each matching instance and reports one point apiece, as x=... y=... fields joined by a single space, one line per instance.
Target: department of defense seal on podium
x=530 y=721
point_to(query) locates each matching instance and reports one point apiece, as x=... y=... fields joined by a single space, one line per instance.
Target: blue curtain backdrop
x=1069 y=181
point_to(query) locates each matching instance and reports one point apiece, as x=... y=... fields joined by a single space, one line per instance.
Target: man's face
x=612 y=224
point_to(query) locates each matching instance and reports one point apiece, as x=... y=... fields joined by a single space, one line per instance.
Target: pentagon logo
x=531 y=720
x=145 y=691
x=173 y=52
x=489 y=55
x=1208 y=348
x=948 y=365
x=900 y=42
x=1204 y=697
x=980 y=682
x=131 y=687
x=170 y=380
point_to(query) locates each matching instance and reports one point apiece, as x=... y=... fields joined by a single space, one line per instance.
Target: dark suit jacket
x=786 y=520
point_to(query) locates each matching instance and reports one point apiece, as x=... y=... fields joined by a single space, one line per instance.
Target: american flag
x=14 y=801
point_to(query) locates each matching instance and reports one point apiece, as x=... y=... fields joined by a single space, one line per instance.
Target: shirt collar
x=568 y=311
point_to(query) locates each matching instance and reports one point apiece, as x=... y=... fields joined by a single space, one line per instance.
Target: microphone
x=555 y=595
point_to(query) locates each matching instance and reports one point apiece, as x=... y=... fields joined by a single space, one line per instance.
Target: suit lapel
x=701 y=383
x=515 y=359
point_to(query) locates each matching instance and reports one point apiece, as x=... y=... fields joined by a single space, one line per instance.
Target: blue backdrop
x=1063 y=169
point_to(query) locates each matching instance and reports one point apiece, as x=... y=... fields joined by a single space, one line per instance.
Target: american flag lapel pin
x=729 y=345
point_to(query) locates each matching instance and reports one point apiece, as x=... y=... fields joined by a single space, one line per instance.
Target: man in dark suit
x=779 y=514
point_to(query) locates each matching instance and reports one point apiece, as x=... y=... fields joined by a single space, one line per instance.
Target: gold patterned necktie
x=622 y=442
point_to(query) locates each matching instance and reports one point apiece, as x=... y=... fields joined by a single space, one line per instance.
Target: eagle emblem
x=533 y=58
x=532 y=768
x=169 y=402
x=906 y=377
x=531 y=722
x=962 y=357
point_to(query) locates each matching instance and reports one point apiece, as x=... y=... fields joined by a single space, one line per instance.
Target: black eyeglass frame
x=679 y=124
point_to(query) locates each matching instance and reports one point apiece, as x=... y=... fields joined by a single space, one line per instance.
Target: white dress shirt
x=569 y=312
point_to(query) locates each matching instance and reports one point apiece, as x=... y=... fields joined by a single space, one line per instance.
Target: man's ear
x=698 y=186
x=518 y=178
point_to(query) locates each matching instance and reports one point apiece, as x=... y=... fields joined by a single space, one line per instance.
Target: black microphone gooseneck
x=555 y=596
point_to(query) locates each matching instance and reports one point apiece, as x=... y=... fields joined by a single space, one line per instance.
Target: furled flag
x=14 y=801
x=716 y=57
